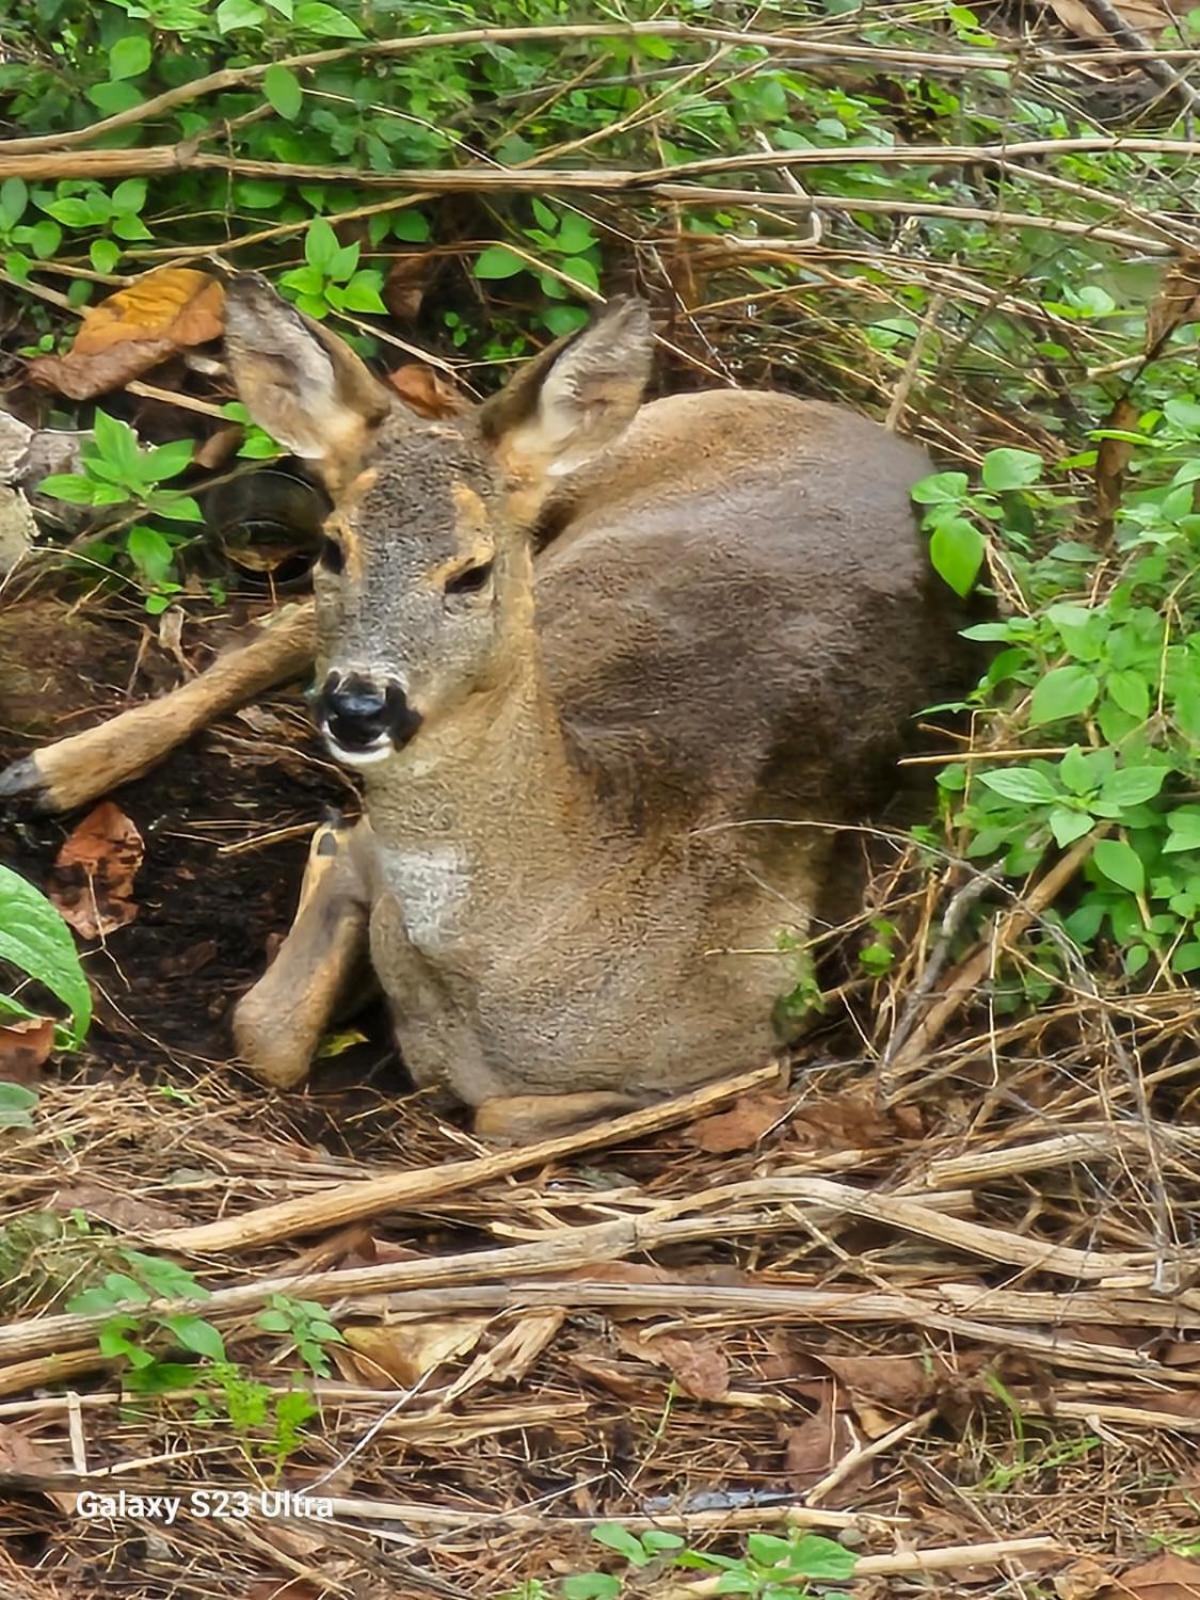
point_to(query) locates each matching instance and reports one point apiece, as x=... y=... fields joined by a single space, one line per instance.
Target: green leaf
x=1067 y=826
x=581 y=270
x=941 y=489
x=1011 y=469
x=822 y=1559
x=44 y=238
x=1023 y=784
x=325 y=21
x=282 y=89
x=561 y=320
x=35 y=938
x=233 y=14
x=175 y=507
x=1186 y=958
x=591 y=1586
x=14 y=197
x=113 y=97
x=168 y=460
x=956 y=549
x=104 y=254
x=362 y=294
x=1120 y=864
x=1131 y=692
x=657 y=1540
x=497 y=262
x=320 y=245
x=129 y=57
x=129 y=226
x=16 y=1103
x=614 y=1537
x=129 y=195
x=1184 y=826
x=116 y=442
x=1065 y=692
x=69 y=486
x=72 y=213
x=411 y=226
x=150 y=553
x=166 y=1278
x=1132 y=786
x=197 y=1335
x=274 y=1322
x=575 y=234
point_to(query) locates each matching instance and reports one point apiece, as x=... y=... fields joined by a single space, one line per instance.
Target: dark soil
x=207 y=921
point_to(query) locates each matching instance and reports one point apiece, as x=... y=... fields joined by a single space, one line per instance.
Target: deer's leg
x=85 y=765
x=278 y=1024
x=524 y=1118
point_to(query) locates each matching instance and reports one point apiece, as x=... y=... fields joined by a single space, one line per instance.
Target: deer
x=614 y=674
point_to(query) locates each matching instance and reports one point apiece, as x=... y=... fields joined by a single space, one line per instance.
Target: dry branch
x=351 y=1202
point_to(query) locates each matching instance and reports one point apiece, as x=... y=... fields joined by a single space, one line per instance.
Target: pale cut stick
x=87 y=765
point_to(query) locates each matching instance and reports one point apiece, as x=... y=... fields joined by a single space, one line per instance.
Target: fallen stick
x=352 y=1202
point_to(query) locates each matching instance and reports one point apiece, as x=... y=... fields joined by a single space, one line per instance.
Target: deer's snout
x=362 y=716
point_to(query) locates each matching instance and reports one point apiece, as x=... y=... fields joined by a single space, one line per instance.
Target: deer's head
x=424 y=584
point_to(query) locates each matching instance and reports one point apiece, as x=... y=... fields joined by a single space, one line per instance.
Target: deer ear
x=303 y=385
x=575 y=398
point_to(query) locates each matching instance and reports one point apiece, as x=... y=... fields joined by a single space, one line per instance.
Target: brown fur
x=623 y=790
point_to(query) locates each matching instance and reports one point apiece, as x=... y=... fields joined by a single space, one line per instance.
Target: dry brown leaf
x=1111 y=460
x=817 y=1445
x=1165 y=1577
x=128 y=1213
x=19 y=1454
x=1177 y=301
x=164 y=312
x=1083 y=1580
x=741 y=1127
x=285 y=1589
x=406 y=1351
x=849 y=1121
x=25 y=1045
x=1144 y=16
x=426 y=392
x=406 y=283
x=92 y=882
x=699 y=1366
x=899 y=1381
x=511 y=1357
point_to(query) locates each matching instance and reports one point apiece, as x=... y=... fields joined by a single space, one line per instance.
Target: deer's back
x=737 y=613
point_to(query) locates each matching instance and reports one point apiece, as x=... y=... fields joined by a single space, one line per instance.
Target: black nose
x=354 y=710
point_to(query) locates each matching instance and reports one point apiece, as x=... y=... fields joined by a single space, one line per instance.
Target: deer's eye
x=331 y=557
x=470 y=580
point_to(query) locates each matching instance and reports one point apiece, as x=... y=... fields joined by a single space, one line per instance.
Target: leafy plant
x=145 y=1337
x=118 y=472
x=36 y=940
x=1102 y=657
x=332 y=280
x=307 y=1324
x=772 y=1566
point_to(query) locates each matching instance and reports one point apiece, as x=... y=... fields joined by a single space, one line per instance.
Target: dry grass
x=964 y=1317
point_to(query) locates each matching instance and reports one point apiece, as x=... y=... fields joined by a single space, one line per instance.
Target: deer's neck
x=493 y=774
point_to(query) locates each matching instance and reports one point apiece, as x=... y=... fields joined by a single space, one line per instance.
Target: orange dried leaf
x=94 y=872
x=25 y=1045
x=164 y=312
x=175 y=303
x=426 y=392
